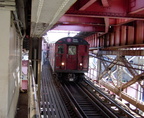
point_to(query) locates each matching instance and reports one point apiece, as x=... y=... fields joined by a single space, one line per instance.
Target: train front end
x=71 y=58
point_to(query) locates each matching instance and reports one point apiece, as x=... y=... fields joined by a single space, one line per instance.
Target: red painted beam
x=81 y=20
x=89 y=3
x=106 y=24
x=123 y=21
x=105 y=3
x=82 y=28
x=116 y=6
x=136 y=7
x=105 y=8
x=87 y=24
x=111 y=51
x=139 y=32
x=129 y=36
x=105 y=14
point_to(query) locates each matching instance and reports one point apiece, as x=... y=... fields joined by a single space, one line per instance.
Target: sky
x=54 y=35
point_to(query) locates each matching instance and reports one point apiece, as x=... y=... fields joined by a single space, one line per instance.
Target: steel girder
x=119 y=86
x=110 y=12
x=123 y=95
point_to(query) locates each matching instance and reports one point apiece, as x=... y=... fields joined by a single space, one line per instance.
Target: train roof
x=72 y=40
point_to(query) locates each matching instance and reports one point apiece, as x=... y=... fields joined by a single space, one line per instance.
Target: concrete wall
x=10 y=66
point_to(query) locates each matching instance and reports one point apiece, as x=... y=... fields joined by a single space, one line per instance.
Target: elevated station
x=113 y=28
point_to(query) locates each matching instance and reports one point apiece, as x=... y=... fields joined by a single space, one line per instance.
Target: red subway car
x=69 y=58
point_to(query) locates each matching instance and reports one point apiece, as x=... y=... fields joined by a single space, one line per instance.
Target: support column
x=35 y=56
x=98 y=69
x=4 y=52
x=9 y=65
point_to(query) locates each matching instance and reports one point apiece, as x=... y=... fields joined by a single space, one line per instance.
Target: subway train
x=69 y=58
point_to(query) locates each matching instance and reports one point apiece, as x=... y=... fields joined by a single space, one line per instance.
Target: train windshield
x=72 y=50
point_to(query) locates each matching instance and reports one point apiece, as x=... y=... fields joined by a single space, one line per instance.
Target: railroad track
x=117 y=108
x=83 y=103
x=77 y=100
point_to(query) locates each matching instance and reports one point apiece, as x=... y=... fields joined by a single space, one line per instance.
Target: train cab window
x=72 y=50
x=60 y=49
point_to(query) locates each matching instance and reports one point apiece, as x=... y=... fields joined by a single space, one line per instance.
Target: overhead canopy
x=45 y=13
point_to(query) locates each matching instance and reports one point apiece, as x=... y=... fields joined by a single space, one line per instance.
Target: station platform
x=22 y=108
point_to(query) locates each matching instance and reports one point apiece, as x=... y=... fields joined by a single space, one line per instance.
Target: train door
x=72 y=57
x=83 y=57
x=60 y=57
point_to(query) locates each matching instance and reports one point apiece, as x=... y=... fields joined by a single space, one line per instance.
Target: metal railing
x=33 y=103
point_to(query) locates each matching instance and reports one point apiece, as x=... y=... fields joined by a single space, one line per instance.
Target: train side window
x=72 y=50
x=60 y=49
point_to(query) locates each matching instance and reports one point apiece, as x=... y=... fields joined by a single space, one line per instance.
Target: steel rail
x=108 y=113
x=74 y=102
x=33 y=104
x=108 y=98
x=102 y=110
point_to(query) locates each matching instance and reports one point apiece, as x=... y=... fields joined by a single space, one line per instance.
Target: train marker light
x=80 y=64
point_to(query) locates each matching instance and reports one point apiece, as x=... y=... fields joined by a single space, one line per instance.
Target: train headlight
x=62 y=63
x=81 y=64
